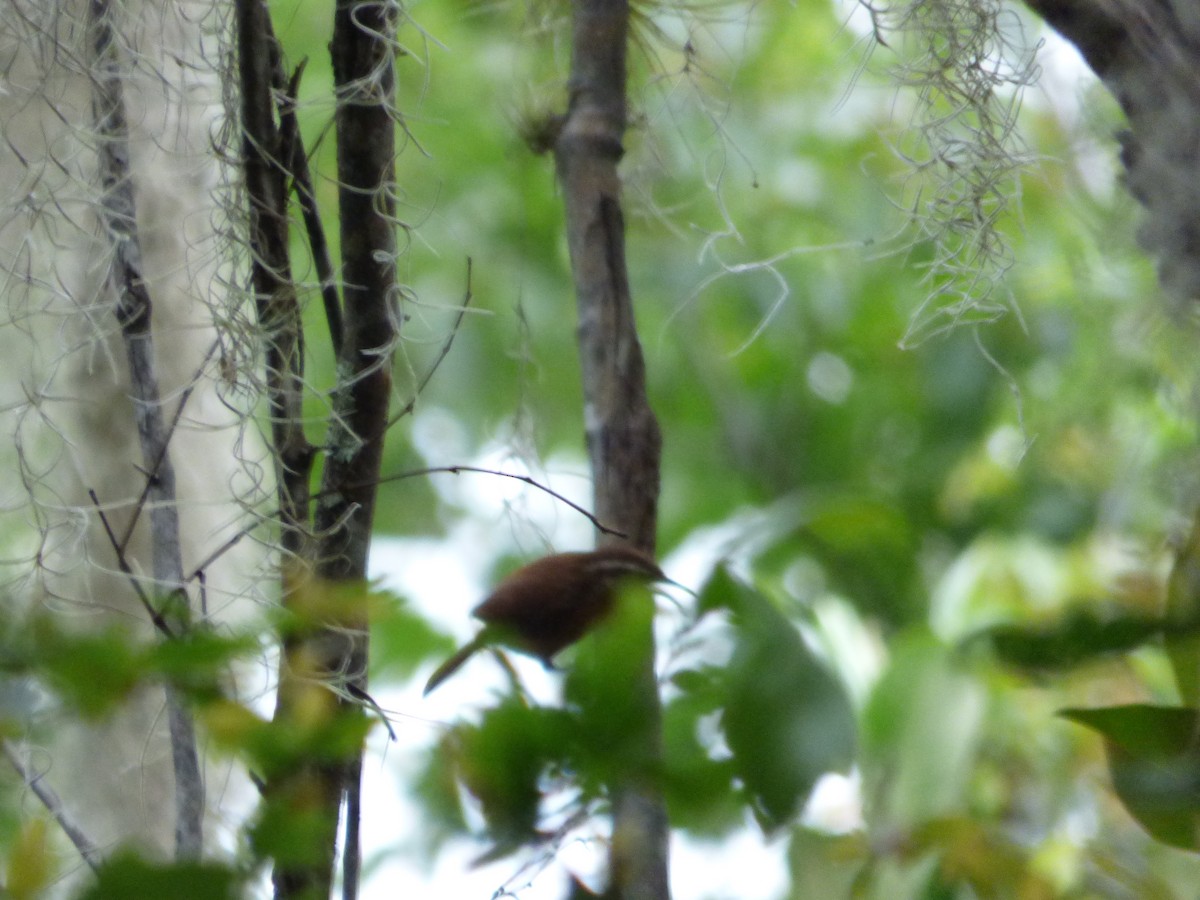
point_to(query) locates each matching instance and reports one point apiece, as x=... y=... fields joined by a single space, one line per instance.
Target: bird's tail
x=450 y=666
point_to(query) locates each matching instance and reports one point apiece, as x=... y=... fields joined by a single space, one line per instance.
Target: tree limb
x=270 y=272
x=133 y=313
x=363 y=48
x=1147 y=53
x=623 y=438
x=296 y=160
x=54 y=805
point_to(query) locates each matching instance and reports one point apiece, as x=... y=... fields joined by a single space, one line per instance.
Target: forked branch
x=133 y=312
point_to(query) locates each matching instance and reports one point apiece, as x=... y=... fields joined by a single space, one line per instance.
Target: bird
x=549 y=604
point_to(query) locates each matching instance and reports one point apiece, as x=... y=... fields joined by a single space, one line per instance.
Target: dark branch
x=123 y=564
x=152 y=474
x=417 y=473
x=270 y=270
x=456 y=470
x=296 y=161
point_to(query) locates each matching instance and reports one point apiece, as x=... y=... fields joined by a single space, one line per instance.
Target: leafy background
x=893 y=503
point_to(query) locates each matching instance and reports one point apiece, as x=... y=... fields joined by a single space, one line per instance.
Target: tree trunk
x=623 y=439
x=1147 y=55
x=70 y=402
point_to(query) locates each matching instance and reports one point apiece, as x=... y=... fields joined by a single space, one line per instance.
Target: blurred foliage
x=1154 y=758
x=983 y=488
x=783 y=716
x=91 y=672
x=1081 y=637
x=126 y=877
x=1183 y=608
x=30 y=866
x=886 y=512
x=786 y=719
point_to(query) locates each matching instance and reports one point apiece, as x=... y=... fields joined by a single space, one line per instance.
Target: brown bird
x=546 y=606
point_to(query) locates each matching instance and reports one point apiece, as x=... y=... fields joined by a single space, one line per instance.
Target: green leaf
x=970 y=852
x=1079 y=638
x=502 y=761
x=401 y=639
x=293 y=827
x=608 y=689
x=1154 y=761
x=698 y=786
x=31 y=864
x=1183 y=604
x=127 y=877
x=866 y=547
x=92 y=673
x=198 y=661
x=436 y=787
x=321 y=732
x=95 y=671
x=923 y=726
x=720 y=592
x=786 y=717
x=826 y=865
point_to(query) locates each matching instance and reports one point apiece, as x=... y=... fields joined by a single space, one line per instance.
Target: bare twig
x=445 y=351
x=456 y=470
x=417 y=473
x=123 y=564
x=228 y=545
x=152 y=474
x=54 y=805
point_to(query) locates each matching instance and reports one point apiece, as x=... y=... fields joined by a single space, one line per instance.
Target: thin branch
x=132 y=309
x=54 y=805
x=228 y=545
x=359 y=694
x=445 y=351
x=152 y=474
x=275 y=301
x=456 y=470
x=123 y=564
x=296 y=161
x=133 y=303
x=417 y=473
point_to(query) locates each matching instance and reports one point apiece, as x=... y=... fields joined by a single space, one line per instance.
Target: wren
x=549 y=604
